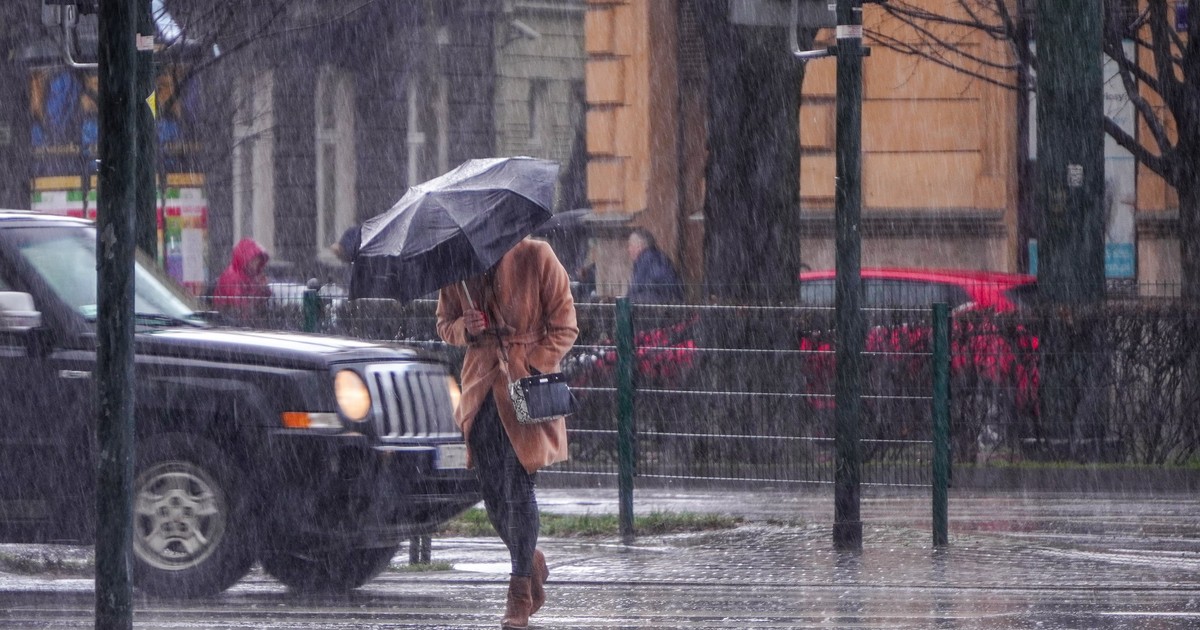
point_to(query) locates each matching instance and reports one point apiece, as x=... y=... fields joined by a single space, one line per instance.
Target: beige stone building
x=539 y=100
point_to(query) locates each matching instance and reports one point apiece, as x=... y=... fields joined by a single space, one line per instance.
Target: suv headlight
x=353 y=397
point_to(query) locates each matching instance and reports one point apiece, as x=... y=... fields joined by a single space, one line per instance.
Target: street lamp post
x=117 y=113
x=850 y=323
x=851 y=326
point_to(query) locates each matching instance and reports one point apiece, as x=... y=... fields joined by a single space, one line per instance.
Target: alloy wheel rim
x=180 y=516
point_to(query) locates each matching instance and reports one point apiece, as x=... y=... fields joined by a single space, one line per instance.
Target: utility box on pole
x=807 y=14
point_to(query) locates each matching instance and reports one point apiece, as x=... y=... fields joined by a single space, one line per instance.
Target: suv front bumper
x=344 y=491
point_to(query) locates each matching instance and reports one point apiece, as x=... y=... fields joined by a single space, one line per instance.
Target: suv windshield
x=65 y=257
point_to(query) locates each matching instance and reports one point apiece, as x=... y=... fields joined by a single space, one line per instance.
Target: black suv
x=317 y=456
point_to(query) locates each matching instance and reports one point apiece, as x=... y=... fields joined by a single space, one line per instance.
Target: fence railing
x=746 y=393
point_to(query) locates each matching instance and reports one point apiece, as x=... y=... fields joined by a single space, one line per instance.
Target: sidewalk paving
x=1130 y=559
x=1015 y=560
x=997 y=539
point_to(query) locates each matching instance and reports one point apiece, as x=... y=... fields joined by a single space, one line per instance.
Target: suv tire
x=192 y=531
x=330 y=571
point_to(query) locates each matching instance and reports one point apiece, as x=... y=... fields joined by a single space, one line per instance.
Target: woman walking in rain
x=523 y=302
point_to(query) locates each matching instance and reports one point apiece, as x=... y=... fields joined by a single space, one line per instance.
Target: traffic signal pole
x=117 y=115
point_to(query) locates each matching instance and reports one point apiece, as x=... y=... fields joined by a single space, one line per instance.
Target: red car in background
x=898 y=287
x=994 y=364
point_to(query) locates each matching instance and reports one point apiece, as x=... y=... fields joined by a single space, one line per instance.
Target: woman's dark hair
x=646 y=236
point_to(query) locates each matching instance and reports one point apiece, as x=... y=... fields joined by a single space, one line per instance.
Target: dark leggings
x=508 y=491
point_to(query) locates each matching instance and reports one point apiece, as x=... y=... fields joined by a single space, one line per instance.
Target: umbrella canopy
x=452 y=227
x=567 y=222
x=567 y=232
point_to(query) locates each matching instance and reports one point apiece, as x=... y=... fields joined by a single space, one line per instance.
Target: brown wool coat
x=530 y=302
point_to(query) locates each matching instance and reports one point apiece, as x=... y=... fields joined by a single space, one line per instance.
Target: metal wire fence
x=745 y=393
x=721 y=393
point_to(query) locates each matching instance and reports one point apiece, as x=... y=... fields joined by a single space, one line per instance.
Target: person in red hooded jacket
x=241 y=291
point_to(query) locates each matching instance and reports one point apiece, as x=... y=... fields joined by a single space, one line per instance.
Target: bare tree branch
x=937 y=43
x=927 y=54
x=1156 y=163
x=1130 y=74
x=1168 y=86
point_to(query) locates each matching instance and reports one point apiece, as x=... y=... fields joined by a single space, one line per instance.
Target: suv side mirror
x=17 y=312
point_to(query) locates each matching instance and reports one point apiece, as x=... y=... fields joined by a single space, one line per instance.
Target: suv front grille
x=411 y=400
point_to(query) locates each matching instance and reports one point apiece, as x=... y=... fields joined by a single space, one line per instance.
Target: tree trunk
x=752 y=190
x=1189 y=237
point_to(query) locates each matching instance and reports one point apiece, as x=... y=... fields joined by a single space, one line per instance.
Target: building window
x=538 y=107
x=254 y=160
x=336 y=163
x=428 y=127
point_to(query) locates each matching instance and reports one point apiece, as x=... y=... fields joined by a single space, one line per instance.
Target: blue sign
x=1120 y=259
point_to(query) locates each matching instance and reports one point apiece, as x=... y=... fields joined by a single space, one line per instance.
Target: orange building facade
x=939 y=163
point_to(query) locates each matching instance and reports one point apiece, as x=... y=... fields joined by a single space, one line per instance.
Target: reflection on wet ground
x=1015 y=561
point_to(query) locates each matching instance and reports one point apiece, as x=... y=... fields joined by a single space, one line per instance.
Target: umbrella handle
x=467 y=293
x=499 y=341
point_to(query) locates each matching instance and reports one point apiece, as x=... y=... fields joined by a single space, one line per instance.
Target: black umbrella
x=567 y=231
x=452 y=227
x=567 y=222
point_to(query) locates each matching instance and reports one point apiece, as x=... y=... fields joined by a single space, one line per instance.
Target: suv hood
x=287 y=349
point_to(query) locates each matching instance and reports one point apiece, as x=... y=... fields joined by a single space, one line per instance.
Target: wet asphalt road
x=1023 y=560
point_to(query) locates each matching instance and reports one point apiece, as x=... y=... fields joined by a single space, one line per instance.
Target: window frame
x=334 y=129
x=254 y=159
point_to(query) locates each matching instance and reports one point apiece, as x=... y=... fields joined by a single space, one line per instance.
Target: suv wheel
x=331 y=571
x=190 y=524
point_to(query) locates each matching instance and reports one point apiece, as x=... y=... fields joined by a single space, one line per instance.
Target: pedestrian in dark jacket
x=346 y=249
x=241 y=291
x=654 y=279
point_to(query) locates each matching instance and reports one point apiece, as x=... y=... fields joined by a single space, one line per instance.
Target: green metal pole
x=625 y=426
x=117 y=116
x=311 y=306
x=941 y=423
x=851 y=326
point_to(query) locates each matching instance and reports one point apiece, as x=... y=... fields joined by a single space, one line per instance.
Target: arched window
x=254 y=160
x=336 y=162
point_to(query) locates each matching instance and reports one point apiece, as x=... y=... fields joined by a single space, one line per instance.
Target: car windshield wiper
x=166 y=320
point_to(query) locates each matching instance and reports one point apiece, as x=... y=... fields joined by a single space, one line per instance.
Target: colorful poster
x=64 y=138
x=182 y=227
x=184 y=234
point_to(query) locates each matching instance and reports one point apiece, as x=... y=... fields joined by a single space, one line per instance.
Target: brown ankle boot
x=540 y=574
x=516 y=614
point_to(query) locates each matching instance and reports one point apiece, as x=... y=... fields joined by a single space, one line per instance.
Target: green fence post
x=941 y=423
x=625 y=428
x=311 y=306
x=420 y=549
